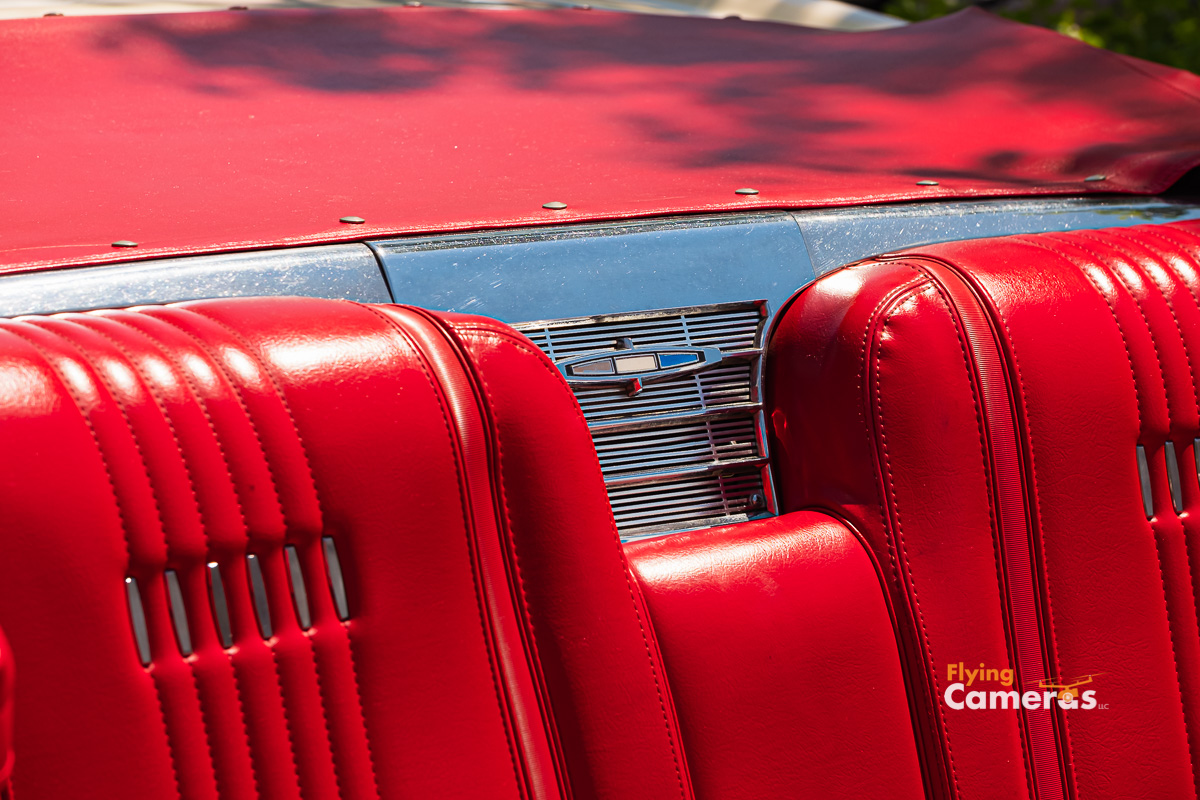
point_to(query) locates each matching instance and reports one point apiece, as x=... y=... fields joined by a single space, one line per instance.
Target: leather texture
x=169 y=438
x=781 y=653
x=591 y=630
x=976 y=409
x=7 y=677
x=235 y=130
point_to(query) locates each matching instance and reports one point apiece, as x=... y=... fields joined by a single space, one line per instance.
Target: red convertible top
x=195 y=133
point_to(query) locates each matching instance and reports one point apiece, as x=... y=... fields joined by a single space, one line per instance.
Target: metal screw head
x=754 y=501
x=745 y=191
x=927 y=183
x=352 y=220
x=1094 y=178
x=124 y=243
x=554 y=205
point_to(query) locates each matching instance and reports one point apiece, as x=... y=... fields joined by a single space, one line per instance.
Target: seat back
x=251 y=550
x=780 y=648
x=6 y=703
x=1012 y=425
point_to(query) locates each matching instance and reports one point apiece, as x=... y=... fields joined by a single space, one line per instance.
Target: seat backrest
x=7 y=674
x=307 y=548
x=780 y=647
x=251 y=549
x=1011 y=423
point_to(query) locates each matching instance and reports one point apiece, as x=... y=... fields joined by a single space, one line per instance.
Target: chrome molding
x=345 y=271
x=688 y=449
x=219 y=601
x=179 y=620
x=220 y=604
x=299 y=591
x=837 y=236
x=258 y=588
x=137 y=620
x=337 y=584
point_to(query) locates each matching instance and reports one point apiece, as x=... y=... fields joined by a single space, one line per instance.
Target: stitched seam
x=540 y=357
x=154 y=496
x=547 y=722
x=1153 y=528
x=1187 y=353
x=287 y=720
x=862 y=381
x=468 y=527
x=269 y=372
x=189 y=378
x=1035 y=504
x=121 y=514
x=1172 y=243
x=1162 y=377
x=1035 y=499
x=150 y=390
x=153 y=489
x=1001 y=572
x=902 y=550
x=892 y=296
x=237 y=390
x=1166 y=394
x=1167 y=265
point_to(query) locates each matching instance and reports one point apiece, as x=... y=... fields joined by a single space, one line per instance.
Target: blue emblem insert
x=636 y=366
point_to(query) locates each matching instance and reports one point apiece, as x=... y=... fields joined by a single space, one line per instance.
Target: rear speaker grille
x=685 y=452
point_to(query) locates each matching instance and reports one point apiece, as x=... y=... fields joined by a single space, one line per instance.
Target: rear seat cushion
x=781 y=653
x=972 y=404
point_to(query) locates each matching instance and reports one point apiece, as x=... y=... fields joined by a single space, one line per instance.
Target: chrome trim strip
x=838 y=236
x=1173 y=477
x=712 y=468
x=337 y=584
x=644 y=317
x=343 y=271
x=299 y=592
x=258 y=588
x=179 y=620
x=137 y=619
x=652 y=421
x=1143 y=468
x=220 y=604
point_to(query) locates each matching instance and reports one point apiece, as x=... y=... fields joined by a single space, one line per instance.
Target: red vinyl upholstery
x=169 y=438
x=493 y=641
x=6 y=708
x=778 y=652
x=976 y=410
x=600 y=658
x=781 y=652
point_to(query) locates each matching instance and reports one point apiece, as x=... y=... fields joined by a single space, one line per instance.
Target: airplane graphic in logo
x=1068 y=692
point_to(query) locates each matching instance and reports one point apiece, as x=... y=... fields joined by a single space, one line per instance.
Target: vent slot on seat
x=679 y=448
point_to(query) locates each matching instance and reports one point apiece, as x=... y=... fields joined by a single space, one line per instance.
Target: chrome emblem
x=637 y=366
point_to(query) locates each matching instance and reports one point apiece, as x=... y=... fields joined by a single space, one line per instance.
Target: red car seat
x=306 y=548
x=1011 y=424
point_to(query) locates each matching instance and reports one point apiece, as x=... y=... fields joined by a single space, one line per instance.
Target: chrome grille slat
x=682 y=452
